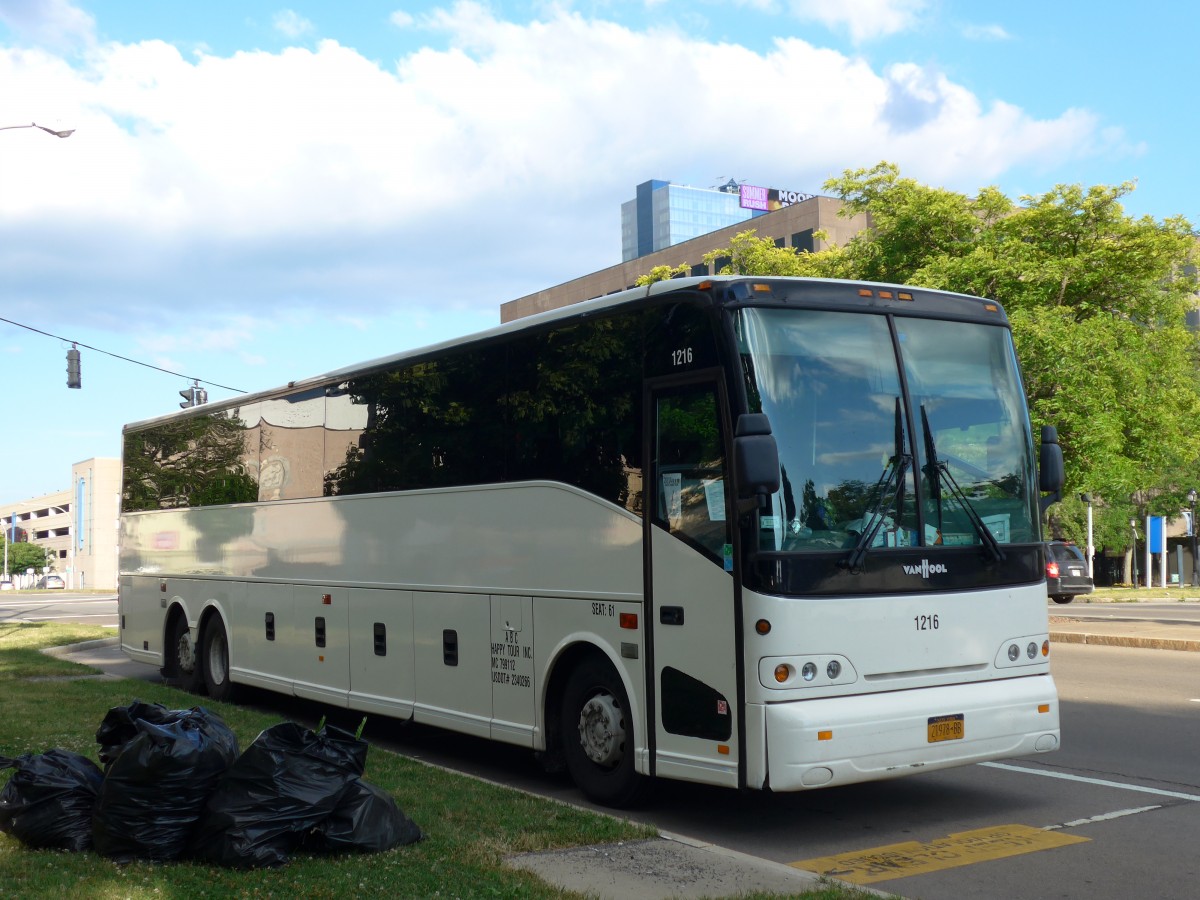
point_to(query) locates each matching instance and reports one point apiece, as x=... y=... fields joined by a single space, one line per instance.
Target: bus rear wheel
x=598 y=735
x=183 y=659
x=214 y=651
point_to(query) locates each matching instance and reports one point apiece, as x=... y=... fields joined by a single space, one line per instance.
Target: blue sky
x=257 y=192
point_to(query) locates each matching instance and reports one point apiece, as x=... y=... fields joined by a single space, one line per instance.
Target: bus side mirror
x=1050 y=468
x=755 y=456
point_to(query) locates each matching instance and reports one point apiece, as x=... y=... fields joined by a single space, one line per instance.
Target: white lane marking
x=1120 y=813
x=1096 y=781
x=88 y=616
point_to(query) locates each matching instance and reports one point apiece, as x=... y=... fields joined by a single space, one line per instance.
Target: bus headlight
x=1029 y=649
x=817 y=671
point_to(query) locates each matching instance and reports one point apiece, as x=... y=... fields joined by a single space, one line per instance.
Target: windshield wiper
x=936 y=471
x=890 y=481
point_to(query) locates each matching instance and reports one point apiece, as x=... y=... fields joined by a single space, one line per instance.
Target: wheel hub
x=185 y=652
x=602 y=730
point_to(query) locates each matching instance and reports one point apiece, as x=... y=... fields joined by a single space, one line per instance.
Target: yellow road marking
x=920 y=857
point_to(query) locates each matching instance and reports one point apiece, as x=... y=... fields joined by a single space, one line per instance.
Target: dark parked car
x=1066 y=572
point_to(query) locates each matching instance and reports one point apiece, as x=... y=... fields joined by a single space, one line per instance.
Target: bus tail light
x=629 y=621
x=783 y=673
x=1046 y=648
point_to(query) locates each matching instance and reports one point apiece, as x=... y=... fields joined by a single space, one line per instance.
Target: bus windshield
x=892 y=431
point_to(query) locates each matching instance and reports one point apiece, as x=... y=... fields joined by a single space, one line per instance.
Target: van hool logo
x=926 y=568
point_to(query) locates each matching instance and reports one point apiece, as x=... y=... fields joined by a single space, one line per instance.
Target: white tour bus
x=770 y=533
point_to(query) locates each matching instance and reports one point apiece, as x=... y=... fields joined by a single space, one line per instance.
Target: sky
x=258 y=192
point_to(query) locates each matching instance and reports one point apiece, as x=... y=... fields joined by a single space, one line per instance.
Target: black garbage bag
x=285 y=784
x=367 y=820
x=155 y=790
x=47 y=803
x=119 y=726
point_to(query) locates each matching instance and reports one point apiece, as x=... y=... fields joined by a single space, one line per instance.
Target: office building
x=76 y=526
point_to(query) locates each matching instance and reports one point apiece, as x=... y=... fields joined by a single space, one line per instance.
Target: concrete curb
x=1124 y=640
x=67 y=649
x=670 y=867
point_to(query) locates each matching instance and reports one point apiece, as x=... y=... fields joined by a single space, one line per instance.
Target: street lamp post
x=1191 y=496
x=1091 y=547
x=1133 y=527
x=57 y=134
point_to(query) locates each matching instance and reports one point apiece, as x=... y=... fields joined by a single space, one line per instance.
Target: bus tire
x=597 y=734
x=214 y=653
x=183 y=662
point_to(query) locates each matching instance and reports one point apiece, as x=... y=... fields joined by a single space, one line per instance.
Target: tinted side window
x=437 y=423
x=198 y=461
x=574 y=408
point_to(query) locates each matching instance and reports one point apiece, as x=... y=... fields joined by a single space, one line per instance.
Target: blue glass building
x=664 y=214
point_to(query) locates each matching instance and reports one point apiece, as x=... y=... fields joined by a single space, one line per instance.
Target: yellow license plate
x=946 y=728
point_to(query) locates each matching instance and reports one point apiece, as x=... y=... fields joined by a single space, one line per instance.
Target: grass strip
x=470 y=825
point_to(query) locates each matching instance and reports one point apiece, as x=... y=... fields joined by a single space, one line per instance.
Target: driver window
x=690 y=467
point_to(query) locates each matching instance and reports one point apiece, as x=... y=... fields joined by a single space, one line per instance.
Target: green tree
x=750 y=255
x=22 y=556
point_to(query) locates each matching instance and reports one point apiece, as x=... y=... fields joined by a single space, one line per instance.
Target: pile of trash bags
x=174 y=786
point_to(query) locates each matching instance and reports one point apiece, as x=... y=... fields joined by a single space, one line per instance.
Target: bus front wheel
x=183 y=656
x=598 y=736
x=214 y=651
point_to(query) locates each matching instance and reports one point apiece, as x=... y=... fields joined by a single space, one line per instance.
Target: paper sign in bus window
x=673 y=495
x=714 y=496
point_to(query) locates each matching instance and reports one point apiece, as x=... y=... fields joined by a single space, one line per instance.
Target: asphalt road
x=1126 y=782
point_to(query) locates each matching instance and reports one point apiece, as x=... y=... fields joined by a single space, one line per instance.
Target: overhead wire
x=123 y=358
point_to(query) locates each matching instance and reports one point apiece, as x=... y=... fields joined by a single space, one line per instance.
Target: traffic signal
x=193 y=396
x=73 y=368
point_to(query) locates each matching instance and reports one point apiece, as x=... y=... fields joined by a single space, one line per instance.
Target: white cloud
x=291 y=24
x=267 y=184
x=401 y=19
x=863 y=19
x=55 y=23
x=985 y=33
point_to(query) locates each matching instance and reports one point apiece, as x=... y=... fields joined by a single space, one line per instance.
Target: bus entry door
x=692 y=590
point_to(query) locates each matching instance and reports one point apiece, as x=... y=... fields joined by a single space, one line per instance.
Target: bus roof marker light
x=904 y=295
x=866 y=292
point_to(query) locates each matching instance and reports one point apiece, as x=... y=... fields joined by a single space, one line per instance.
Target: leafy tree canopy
x=22 y=556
